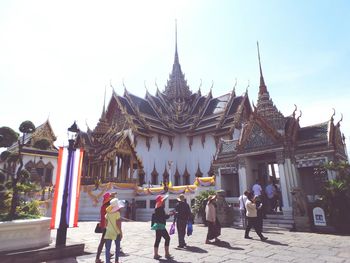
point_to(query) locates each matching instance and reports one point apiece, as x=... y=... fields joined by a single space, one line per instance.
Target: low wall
x=24 y=234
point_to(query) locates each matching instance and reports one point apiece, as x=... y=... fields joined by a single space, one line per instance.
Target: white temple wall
x=45 y=159
x=181 y=155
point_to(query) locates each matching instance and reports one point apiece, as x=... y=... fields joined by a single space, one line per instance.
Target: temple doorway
x=264 y=168
x=230 y=184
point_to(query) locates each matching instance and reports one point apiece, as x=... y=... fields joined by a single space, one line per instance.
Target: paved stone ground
x=282 y=246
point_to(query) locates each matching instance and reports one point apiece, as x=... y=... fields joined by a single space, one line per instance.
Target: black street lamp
x=62 y=229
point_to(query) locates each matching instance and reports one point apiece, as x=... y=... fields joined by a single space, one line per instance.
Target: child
x=113 y=228
x=158 y=224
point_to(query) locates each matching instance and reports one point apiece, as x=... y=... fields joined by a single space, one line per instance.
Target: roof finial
x=295 y=110
x=176 y=54
x=332 y=117
x=104 y=106
x=104 y=101
x=341 y=119
x=262 y=87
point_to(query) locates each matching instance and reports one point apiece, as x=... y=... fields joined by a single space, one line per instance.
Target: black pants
x=253 y=222
x=181 y=231
x=214 y=230
x=162 y=233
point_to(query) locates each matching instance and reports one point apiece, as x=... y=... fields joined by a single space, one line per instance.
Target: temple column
x=284 y=182
x=131 y=168
x=88 y=169
x=218 y=180
x=242 y=175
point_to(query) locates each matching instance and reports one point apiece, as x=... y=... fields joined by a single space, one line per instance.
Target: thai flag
x=72 y=168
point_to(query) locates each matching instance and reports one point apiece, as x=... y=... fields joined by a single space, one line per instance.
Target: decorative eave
x=128 y=119
x=227 y=107
x=136 y=109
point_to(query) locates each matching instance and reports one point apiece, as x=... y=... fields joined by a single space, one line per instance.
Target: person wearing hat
x=113 y=228
x=182 y=216
x=159 y=218
x=210 y=216
x=252 y=216
x=105 y=203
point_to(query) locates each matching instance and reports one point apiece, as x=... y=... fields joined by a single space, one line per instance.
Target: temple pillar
x=218 y=180
x=286 y=180
x=242 y=173
x=131 y=168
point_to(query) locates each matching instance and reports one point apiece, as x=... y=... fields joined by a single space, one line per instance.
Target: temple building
x=274 y=146
x=39 y=155
x=177 y=135
x=174 y=132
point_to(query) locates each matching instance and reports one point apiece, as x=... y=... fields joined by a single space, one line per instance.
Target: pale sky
x=57 y=57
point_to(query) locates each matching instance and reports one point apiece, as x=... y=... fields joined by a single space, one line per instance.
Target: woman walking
x=252 y=217
x=113 y=229
x=158 y=224
x=213 y=224
x=105 y=204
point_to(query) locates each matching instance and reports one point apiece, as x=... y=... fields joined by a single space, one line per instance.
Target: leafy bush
x=7 y=136
x=336 y=196
x=27 y=127
x=12 y=205
x=200 y=202
x=4 y=155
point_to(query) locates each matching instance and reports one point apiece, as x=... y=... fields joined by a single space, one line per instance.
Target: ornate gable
x=258 y=138
x=258 y=134
x=44 y=131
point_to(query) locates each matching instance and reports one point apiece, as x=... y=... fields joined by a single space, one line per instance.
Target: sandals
x=168 y=256
x=157 y=256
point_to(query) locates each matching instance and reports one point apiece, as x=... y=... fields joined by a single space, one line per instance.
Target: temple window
x=154 y=175
x=186 y=180
x=48 y=174
x=177 y=180
x=165 y=175
x=186 y=177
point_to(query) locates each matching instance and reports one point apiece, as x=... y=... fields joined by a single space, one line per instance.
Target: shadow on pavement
x=276 y=243
x=171 y=260
x=225 y=245
x=194 y=249
x=272 y=232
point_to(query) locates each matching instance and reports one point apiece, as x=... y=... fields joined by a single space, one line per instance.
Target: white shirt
x=251 y=209
x=257 y=189
x=242 y=200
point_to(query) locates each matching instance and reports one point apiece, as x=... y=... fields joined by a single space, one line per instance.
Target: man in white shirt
x=257 y=190
x=242 y=200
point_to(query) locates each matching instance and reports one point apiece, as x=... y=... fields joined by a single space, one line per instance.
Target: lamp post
x=62 y=229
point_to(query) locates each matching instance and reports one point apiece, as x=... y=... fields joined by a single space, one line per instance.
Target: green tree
x=200 y=201
x=19 y=176
x=336 y=196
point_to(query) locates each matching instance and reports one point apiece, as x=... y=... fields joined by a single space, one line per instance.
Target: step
x=278 y=221
x=284 y=226
x=279 y=216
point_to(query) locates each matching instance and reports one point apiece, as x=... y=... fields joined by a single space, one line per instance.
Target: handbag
x=98 y=229
x=172 y=229
x=189 y=228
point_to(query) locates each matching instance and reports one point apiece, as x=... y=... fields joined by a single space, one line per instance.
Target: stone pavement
x=282 y=246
